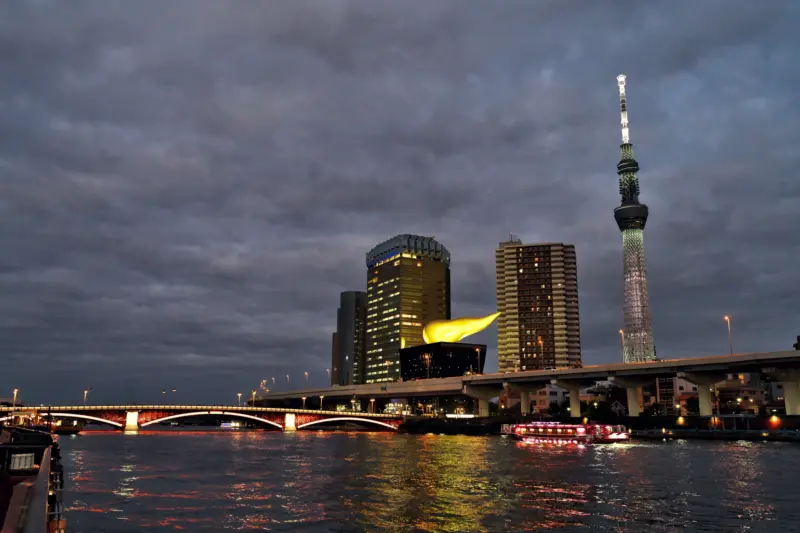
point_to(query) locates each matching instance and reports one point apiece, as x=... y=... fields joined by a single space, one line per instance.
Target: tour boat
x=558 y=433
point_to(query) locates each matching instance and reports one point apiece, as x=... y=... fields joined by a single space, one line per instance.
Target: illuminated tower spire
x=631 y=217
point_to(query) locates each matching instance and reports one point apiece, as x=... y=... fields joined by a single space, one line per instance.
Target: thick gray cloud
x=188 y=185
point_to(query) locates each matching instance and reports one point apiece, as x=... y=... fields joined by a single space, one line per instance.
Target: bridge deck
x=589 y=374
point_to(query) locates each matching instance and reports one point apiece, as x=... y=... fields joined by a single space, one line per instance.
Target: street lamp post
x=305 y=374
x=239 y=395
x=730 y=339
x=304 y=402
x=372 y=405
x=287 y=379
x=253 y=400
x=14 y=401
x=622 y=337
x=320 y=401
x=478 y=355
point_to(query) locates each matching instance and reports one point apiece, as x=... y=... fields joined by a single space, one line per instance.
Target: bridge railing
x=175 y=407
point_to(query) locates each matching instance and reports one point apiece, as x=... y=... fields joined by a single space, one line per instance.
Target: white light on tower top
x=623 y=109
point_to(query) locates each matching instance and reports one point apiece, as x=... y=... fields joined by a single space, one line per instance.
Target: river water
x=161 y=481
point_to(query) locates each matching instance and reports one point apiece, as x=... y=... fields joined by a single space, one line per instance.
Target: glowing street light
x=306 y=376
x=372 y=405
x=478 y=355
x=253 y=394
x=622 y=338
x=304 y=401
x=329 y=372
x=14 y=401
x=730 y=341
x=239 y=395
x=273 y=381
x=320 y=401
x=287 y=378
x=85 y=394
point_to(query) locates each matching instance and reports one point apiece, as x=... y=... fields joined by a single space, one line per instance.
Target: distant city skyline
x=187 y=189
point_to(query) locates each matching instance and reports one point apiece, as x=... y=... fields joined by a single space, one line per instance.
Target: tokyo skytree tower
x=631 y=217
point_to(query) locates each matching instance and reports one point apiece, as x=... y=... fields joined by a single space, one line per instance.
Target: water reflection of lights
x=394 y=483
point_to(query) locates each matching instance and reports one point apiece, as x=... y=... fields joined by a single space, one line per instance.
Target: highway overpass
x=703 y=371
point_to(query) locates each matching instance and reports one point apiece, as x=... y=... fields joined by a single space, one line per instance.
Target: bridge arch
x=84 y=417
x=217 y=413
x=347 y=419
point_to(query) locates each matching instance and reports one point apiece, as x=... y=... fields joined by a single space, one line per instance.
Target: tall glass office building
x=408 y=285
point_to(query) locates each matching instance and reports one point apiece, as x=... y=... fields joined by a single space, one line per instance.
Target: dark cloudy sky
x=186 y=186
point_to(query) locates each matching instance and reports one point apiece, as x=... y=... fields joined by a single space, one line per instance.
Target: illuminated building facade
x=631 y=217
x=441 y=360
x=537 y=297
x=350 y=340
x=408 y=285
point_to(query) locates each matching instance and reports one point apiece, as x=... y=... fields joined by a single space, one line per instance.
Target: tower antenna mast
x=623 y=109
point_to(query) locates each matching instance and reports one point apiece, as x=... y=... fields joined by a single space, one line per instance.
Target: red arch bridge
x=133 y=417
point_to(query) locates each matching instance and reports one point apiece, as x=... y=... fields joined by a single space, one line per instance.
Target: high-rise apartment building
x=537 y=297
x=408 y=285
x=349 y=339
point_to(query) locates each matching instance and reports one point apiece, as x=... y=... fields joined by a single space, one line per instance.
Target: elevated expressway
x=783 y=366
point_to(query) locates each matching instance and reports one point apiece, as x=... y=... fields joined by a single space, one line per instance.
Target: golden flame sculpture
x=455 y=330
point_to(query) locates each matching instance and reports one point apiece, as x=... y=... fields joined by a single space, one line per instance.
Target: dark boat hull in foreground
x=31 y=482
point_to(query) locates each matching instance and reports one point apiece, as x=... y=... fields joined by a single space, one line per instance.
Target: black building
x=441 y=360
x=348 y=343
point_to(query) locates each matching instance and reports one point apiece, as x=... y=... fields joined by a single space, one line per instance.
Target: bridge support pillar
x=132 y=421
x=790 y=380
x=791 y=397
x=703 y=381
x=525 y=395
x=483 y=395
x=525 y=402
x=289 y=422
x=704 y=400
x=483 y=407
x=574 y=390
x=633 y=389
x=634 y=395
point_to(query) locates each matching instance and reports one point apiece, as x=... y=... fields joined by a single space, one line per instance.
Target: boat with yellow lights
x=565 y=434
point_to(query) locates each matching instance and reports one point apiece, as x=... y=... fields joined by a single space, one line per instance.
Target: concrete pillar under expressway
x=483 y=395
x=633 y=389
x=704 y=400
x=791 y=397
x=524 y=396
x=525 y=402
x=704 y=382
x=574 y=389
x=790 y=380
